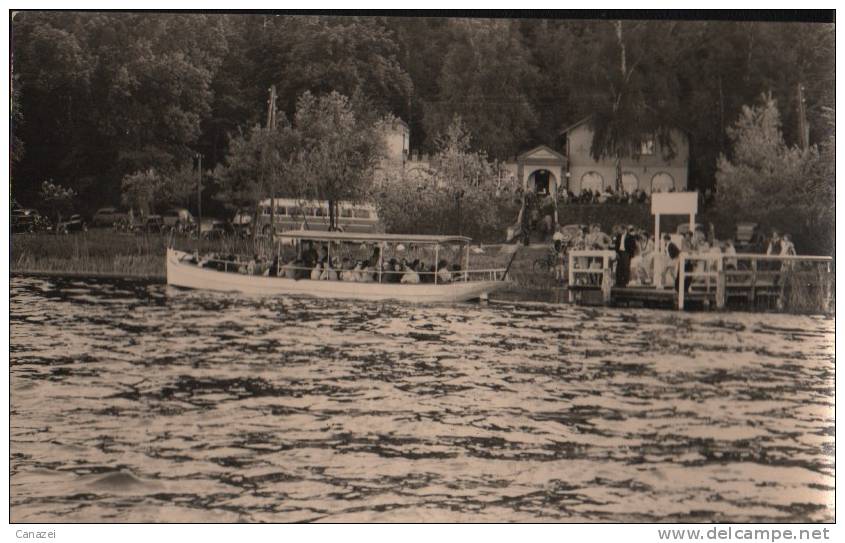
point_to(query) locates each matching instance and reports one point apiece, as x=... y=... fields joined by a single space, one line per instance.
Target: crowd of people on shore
x=315 y=264
x=639 y=260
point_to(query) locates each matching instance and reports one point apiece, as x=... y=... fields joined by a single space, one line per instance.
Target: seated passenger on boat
x=443 y=274
x=367 y=273
x=309 y=254
x=410 y=276
x=317 y=272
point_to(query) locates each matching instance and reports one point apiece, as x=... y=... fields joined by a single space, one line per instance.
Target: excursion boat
x=183 y=270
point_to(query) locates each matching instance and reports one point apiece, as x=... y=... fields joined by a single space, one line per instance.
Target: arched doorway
x=662 y=182
x=542 y=180
x=592 y=181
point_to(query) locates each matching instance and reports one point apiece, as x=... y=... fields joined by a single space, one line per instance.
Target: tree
x=341 y=144
x=348 y=55
x=770 y=182
x=485 y=79
x=260 y=164
x=434 y=201
x=633 y=89
x=57 y=198
x=178 y=187
x=140 y=190
x=106 y=94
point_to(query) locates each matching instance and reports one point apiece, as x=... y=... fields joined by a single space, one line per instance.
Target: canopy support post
x=436 y=261
x=466 y=265
x=380 y=260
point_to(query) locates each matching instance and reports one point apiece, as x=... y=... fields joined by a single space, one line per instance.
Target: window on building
x=647 y=146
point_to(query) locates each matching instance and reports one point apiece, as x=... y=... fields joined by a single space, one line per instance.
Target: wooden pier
x=708 y=280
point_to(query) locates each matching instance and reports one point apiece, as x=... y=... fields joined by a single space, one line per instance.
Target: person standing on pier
x=625 y=246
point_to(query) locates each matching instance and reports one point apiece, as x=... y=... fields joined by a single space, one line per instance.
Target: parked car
x=74 y=223
x=108 y=216
x=27 y=220
x=242 y=223
x=153 y=224
x=215 y=229
x=178 y=218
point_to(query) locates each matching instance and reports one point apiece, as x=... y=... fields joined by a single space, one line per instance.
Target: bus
x=294 y=214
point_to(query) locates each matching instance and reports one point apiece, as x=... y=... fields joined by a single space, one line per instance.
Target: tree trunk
x=622 y=56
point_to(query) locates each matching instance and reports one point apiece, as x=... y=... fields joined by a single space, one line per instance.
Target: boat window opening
x=319 y=212
x=362 y=214
x=346 y=212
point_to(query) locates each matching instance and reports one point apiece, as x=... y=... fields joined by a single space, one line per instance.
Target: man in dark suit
x=630 y=246
x=625 y=245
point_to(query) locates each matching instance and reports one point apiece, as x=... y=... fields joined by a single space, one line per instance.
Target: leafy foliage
x=260 y=163
x=99 y=95
x=339 y=148
x=140 y=190
x=57 y=198
x=459 y=194
x=770 y=182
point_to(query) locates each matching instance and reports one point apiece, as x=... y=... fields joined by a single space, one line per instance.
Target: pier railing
x=591 y=269
x=715 y=277
x=304 y=272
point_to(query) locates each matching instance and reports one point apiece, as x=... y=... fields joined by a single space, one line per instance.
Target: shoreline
x=153 y=278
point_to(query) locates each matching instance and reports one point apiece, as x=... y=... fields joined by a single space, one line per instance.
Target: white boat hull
x=186 y=275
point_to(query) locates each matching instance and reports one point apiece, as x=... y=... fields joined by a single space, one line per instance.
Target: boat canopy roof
x=318 y=235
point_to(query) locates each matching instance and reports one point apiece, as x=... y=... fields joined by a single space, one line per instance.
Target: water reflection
x=134 y=403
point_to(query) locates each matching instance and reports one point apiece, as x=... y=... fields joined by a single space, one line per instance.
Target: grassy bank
x=110 y=254
x=106 y=252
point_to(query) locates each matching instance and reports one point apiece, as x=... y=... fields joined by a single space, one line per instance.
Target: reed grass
x=133 y=255
x=809 y=291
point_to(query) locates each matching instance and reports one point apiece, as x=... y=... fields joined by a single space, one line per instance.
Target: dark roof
x=579 y=123
x=588 y=117
x=319 y=235
x=544 y=147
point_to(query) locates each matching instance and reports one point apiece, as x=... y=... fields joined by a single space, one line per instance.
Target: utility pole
x=199 y=197
x=803 y=126
x=271 y=125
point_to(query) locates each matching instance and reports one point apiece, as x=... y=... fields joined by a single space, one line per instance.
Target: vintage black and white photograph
x=572 y=267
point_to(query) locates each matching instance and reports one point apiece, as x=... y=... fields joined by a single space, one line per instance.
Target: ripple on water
x=135 y=403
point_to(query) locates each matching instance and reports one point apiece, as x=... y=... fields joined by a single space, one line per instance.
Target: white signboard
x=674 y=203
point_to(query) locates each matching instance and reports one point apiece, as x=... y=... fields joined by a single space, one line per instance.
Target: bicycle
x=545 y=264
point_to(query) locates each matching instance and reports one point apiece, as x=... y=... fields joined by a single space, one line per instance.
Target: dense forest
x=98 y=96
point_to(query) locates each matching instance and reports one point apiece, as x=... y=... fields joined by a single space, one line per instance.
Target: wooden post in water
x=781 y=277
x=721 y=295
x=681 y=281
x=753 y=281
x=380 y=260
x=571 y=277
x=436 y=261
x=606 y=281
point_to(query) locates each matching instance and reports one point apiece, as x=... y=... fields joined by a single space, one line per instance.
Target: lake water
x=132 y=402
